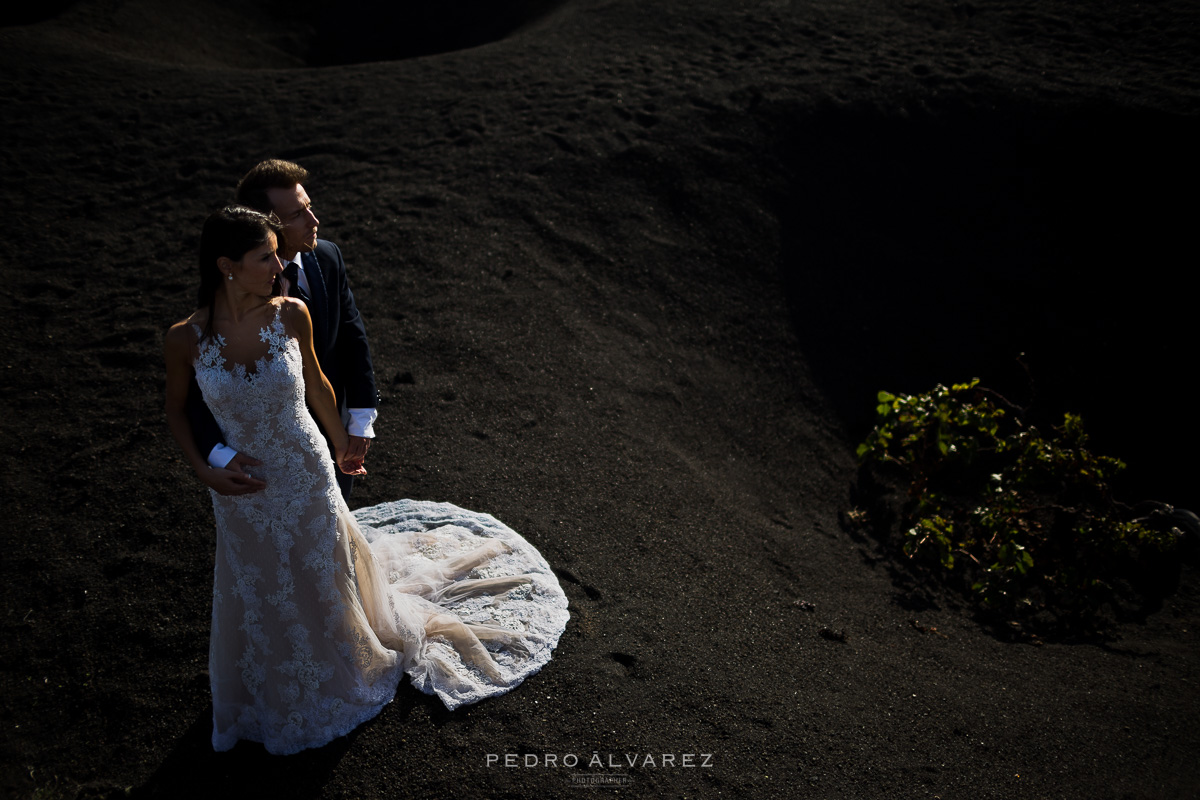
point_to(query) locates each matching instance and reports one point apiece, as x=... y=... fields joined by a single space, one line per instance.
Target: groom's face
x=294 y=209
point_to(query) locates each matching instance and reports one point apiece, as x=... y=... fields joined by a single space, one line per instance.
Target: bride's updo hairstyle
x=231 y=233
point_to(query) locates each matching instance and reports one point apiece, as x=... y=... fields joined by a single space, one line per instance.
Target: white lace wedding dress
x=317 y=614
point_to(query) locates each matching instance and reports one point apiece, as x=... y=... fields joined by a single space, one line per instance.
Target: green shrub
x=1023 y=521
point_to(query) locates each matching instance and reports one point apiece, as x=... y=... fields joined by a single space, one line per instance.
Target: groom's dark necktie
x=292 y=273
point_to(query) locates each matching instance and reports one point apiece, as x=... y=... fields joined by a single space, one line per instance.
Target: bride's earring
x=230 y=276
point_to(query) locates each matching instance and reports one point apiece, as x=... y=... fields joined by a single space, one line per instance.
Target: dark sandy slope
x=632 y=274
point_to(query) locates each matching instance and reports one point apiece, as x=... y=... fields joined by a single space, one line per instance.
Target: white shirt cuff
x=220 y=456
x=361 y=420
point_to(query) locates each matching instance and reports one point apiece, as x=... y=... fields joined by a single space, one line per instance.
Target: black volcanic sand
x=632 y=273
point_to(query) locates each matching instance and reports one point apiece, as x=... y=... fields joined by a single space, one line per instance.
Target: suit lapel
x=319 y=301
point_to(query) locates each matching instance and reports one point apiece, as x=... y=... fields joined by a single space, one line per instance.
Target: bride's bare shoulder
x=290 y=305
x=184 y=332
x=293 y=311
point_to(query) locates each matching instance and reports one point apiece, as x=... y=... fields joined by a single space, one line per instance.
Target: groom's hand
x=237 y=477
x=351 y=460
x=356 y=452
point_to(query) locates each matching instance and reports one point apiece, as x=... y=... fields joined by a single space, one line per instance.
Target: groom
x=315 y=273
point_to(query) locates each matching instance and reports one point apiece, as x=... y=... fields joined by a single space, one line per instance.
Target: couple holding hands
x=319 y=612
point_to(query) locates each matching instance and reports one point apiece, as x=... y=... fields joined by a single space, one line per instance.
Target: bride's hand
x=348 y=465
x=352 y=467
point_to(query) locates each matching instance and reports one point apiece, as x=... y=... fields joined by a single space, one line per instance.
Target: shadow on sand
x=931 y=250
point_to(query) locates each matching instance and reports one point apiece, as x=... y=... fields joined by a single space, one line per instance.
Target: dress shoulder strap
x=275 y=334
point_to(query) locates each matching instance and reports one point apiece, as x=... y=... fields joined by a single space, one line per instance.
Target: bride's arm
x=178 y=353
x=317 y=388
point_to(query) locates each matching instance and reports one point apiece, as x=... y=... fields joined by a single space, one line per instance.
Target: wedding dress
x=317 y=612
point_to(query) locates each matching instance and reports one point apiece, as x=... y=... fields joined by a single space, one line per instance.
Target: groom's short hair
x=274 y=173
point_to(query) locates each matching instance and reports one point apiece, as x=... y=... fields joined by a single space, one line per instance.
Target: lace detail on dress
x=279 y=611
x=483 y=573
x=315 y=619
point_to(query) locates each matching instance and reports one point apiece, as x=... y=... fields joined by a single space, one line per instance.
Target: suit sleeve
x=351 y=348
x=205 y=430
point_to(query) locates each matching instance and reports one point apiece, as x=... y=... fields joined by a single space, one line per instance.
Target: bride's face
x=256 y=271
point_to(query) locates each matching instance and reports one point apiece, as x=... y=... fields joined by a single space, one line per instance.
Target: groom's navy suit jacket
x=339 y=338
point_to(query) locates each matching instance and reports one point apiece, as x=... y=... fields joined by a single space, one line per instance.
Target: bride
x=317 y=612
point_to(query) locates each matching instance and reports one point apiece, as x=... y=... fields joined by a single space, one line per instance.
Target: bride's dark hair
x=231 y=232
